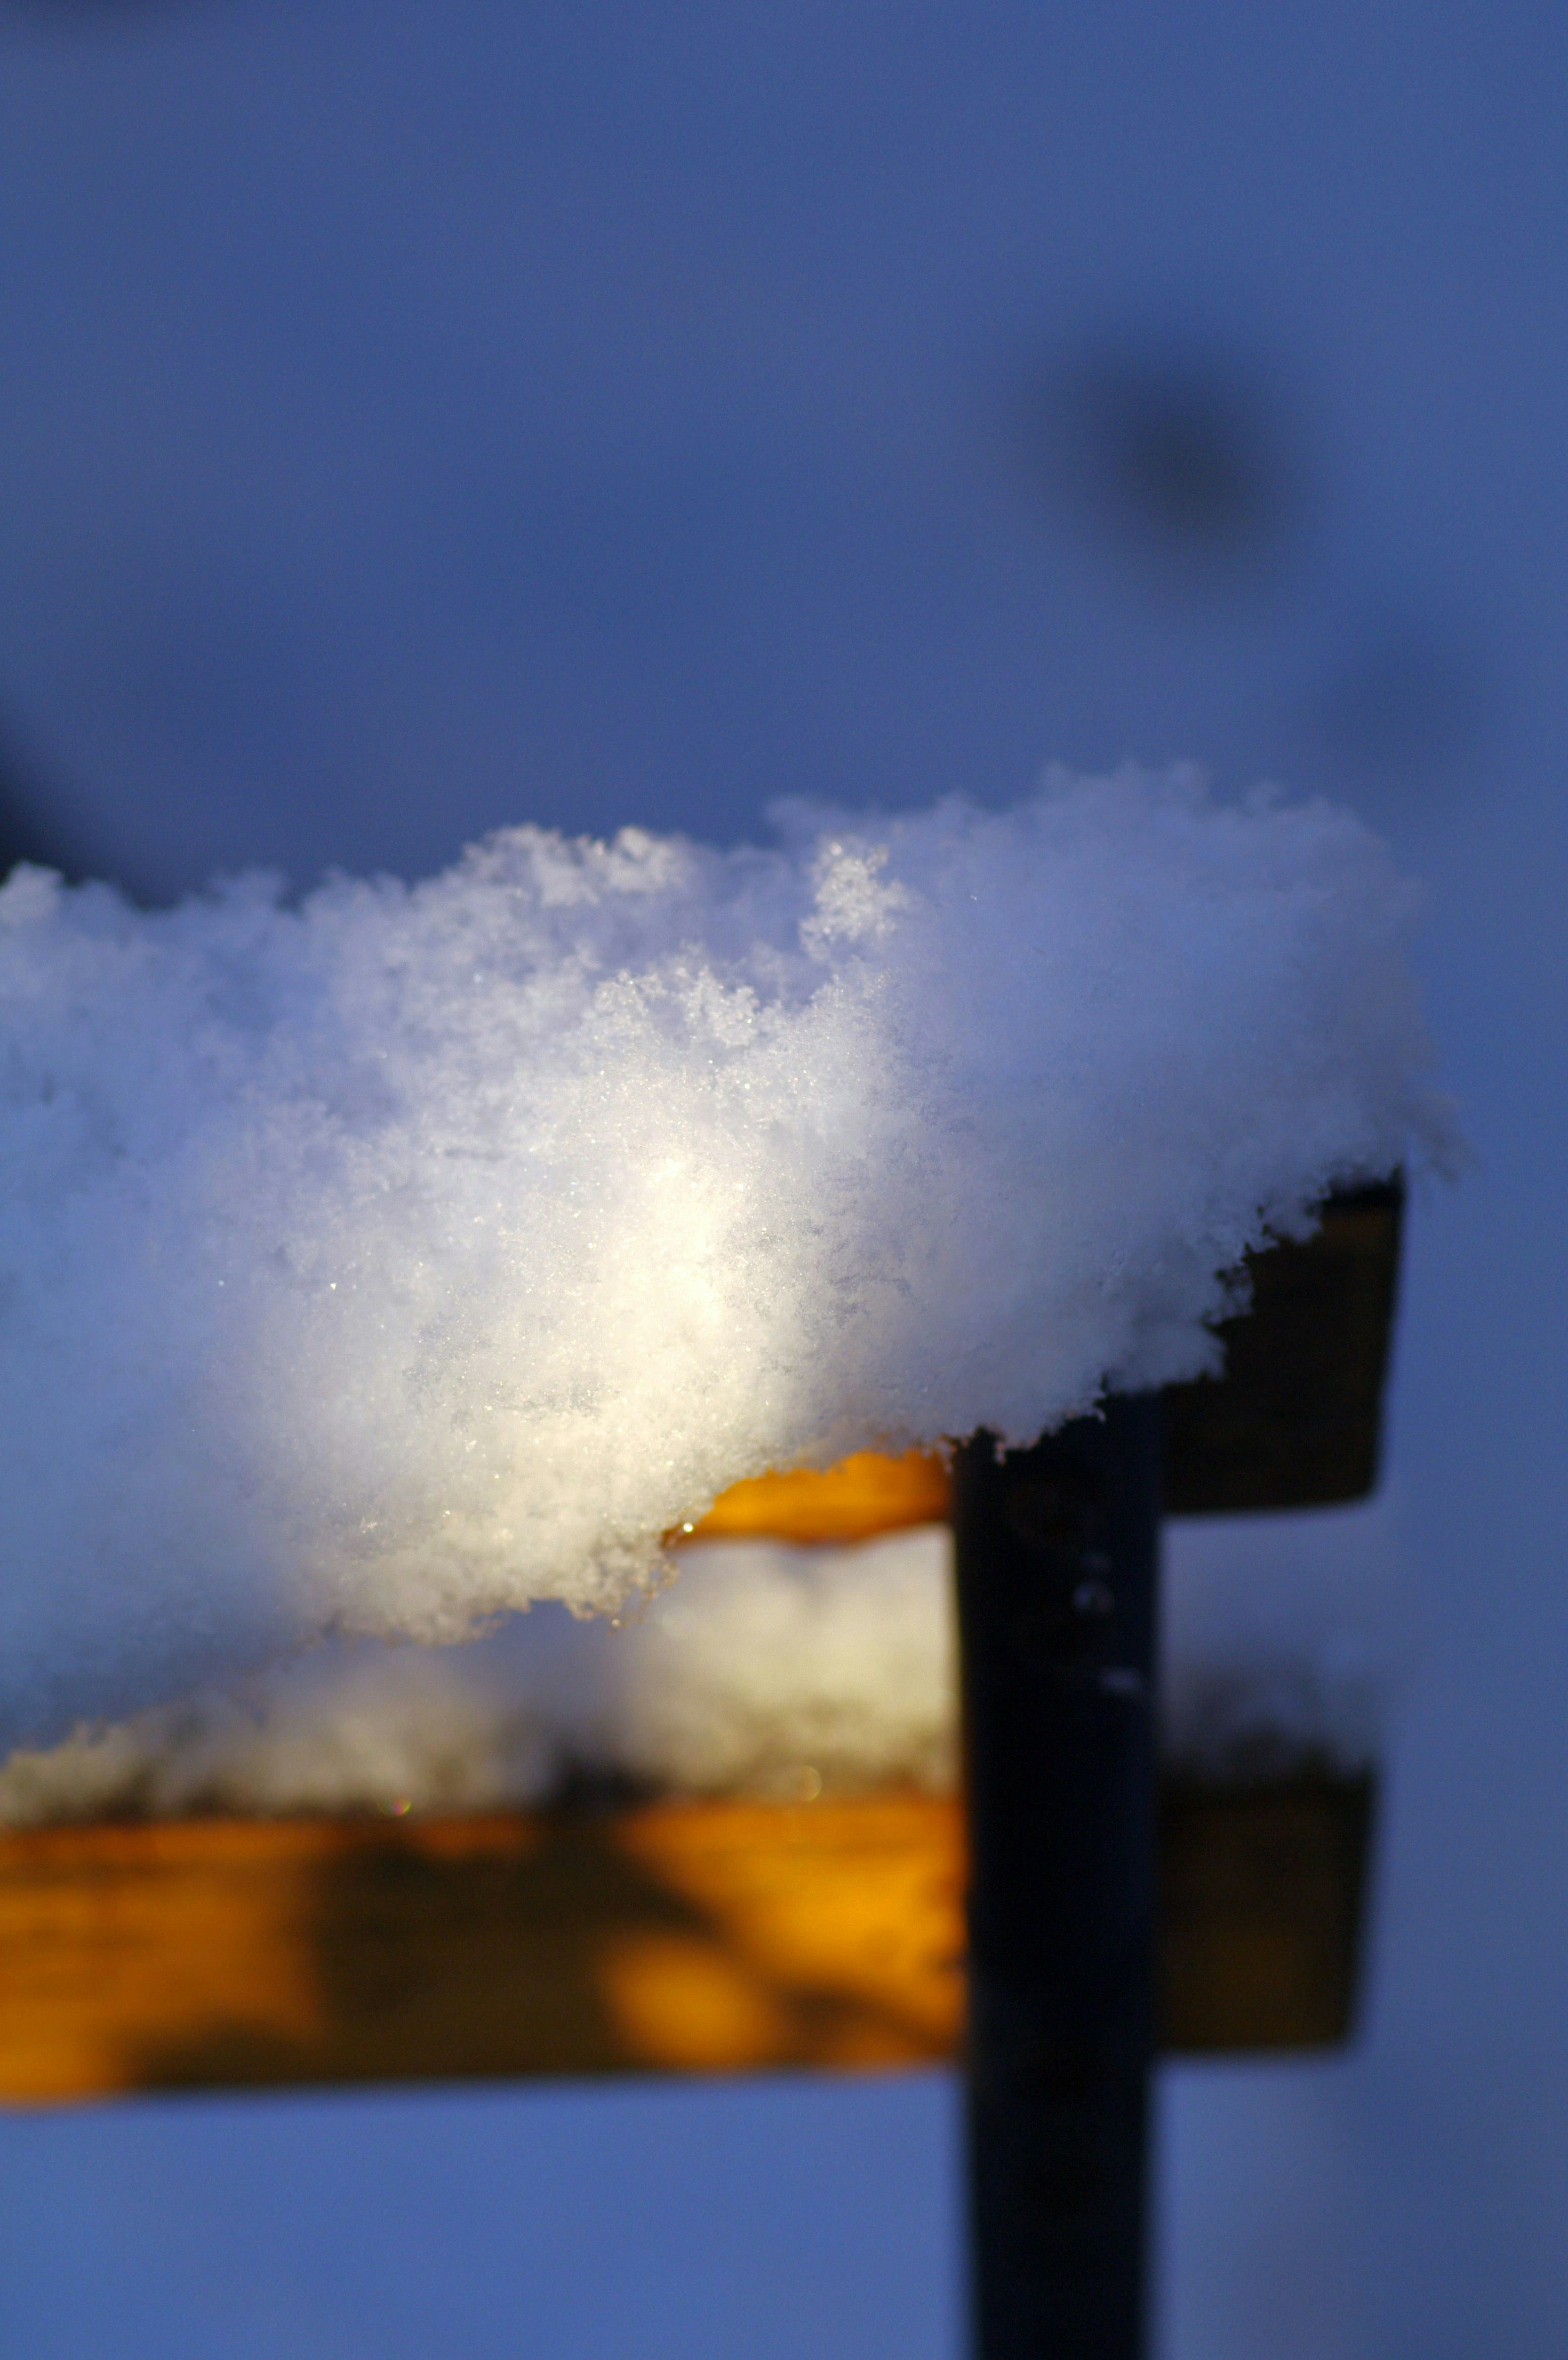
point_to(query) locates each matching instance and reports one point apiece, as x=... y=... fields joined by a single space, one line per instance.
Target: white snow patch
x=765 y=1670
x=379 y=1264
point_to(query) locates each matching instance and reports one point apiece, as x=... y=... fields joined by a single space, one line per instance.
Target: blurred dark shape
x=1408 y=698
x=1261 y=1910
x=1295 y=1420
x=1182 y=452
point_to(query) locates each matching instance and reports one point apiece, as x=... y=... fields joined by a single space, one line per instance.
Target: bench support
x=1057 y=1551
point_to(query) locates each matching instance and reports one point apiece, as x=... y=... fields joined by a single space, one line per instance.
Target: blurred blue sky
x=418 y=417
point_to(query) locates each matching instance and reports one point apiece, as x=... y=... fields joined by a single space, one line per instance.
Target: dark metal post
x=1056 y=1561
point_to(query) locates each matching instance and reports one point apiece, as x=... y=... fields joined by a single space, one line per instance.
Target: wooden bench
x=715 y=1936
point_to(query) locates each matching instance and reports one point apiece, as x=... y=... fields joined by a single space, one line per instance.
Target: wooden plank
x=678 y=1937
x=702 y=1937
x=1262 y=1893
x=1296 y=1420
x=864 y=1495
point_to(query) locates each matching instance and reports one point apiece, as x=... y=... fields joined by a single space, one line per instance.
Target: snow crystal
x=380 y=1263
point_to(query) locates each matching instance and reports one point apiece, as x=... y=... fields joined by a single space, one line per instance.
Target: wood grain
x=677 y=1938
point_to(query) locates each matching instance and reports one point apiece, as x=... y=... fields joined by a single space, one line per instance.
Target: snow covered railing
x=714 y=1935
x=376 y=1267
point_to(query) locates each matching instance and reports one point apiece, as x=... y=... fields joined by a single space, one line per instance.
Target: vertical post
x=1056 y=1550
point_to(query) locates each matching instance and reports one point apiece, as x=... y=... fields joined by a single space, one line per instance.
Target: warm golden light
x=862 y=1496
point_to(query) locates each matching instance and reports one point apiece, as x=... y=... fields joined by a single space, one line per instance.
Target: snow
x=765 y=1670
x=385 y=1262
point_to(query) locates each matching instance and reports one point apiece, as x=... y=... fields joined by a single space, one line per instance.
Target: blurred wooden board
x=677 y=1938
x=862 y=1496
x=1262 y=1894
x=1295 y=1419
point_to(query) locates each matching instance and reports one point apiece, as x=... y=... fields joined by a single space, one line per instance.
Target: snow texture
x=765 y=1670
x=382 y=1263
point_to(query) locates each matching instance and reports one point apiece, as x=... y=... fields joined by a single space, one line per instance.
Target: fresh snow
x=382 y=1263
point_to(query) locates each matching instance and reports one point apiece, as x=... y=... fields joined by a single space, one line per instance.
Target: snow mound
x=380 y=1263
